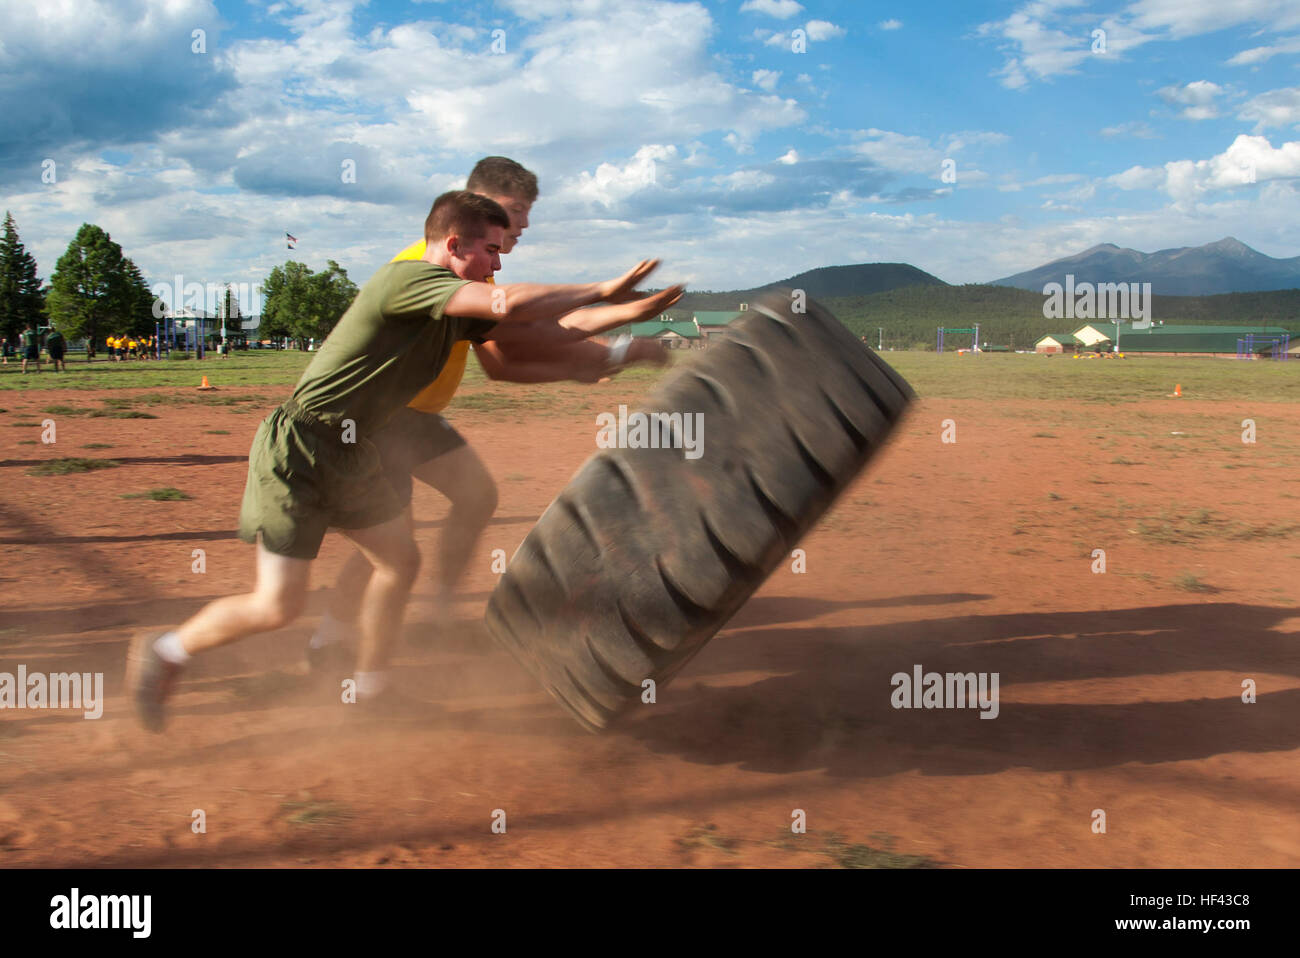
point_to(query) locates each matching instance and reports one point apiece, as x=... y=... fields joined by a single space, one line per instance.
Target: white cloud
x=822 y=30
x=1139 y=178
x=790 y=158
x=1274 y=108
x=781 y=9
x=611 y=183
x=766 y=79
x=744 y=179
x=902 y=153
x=1184 y=18
x=737 y=143
x=1249 y=159
x=1196 y=98
x=898 y=152
x=1262 y=54
x=1134 y=128
x=890 y=24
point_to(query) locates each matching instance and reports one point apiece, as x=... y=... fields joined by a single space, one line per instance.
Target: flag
x=291 y=239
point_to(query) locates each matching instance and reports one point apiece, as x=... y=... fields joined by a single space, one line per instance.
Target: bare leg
x=390 y=548
x=350 y=587
x=460 y=476
x=277 y=599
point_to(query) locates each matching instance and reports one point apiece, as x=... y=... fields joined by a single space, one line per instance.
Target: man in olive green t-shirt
x=31 y=348
x=313 y=465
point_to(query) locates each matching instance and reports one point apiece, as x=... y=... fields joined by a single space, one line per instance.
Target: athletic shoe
x=150 y=679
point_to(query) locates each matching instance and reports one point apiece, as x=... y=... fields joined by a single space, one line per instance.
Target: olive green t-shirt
x=390 y=344
x=31 y=338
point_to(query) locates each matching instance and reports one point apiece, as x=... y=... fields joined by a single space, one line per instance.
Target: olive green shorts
x=410 y=439
x=303 y=479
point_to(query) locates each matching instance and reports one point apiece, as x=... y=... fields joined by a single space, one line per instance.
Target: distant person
x=55 y=346
x=31 y=348
x=5 y=350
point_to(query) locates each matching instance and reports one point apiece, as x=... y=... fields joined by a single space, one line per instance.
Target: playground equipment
x=973 y=330
x=1249 y=347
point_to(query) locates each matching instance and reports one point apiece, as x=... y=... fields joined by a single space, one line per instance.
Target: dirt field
x=1120 y=691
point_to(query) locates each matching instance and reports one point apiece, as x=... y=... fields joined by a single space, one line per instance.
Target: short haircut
x=464 y=214
x=502 y=176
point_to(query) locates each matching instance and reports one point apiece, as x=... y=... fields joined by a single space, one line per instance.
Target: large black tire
x=646 y=554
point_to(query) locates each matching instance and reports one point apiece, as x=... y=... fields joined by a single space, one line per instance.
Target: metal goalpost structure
x=973 y=330
x=1248 y=348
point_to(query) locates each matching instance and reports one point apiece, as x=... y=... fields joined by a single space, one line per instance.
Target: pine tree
x=96 y=291
x=21 y=297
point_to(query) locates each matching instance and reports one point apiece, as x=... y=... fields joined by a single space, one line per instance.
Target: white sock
x=370 y=684
x=169 y=649
x=329 y=631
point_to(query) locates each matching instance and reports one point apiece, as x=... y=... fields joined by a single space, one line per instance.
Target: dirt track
x=1119 y=691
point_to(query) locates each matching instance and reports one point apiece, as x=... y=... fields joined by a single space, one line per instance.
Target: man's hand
x=624 y=288
x=600 y=319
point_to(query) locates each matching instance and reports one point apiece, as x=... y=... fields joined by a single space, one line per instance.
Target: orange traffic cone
x=1177 y=393
x=206 y=385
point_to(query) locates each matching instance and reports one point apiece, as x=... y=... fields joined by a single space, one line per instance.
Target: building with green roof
x=1056 y=343
x=674 y=333
x=1202 y=339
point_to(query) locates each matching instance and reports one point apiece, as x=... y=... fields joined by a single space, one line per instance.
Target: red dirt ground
x=1119 y=691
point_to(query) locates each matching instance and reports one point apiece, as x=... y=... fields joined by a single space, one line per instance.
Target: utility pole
x=880 y=347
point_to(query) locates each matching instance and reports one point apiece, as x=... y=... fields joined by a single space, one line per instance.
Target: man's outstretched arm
x=584 y=361
x=544 y=336
x=515 y=303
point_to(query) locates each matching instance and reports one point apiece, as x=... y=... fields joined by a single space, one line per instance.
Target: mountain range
x=1225 y=266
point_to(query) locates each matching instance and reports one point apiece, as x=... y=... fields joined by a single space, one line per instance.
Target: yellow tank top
x=435 y=396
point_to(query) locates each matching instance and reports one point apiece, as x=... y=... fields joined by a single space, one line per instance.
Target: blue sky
x=741 y=141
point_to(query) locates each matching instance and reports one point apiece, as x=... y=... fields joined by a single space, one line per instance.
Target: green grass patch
x=69 y=465
x=1175 y=528
x=217 y=432
x=707 y=836
x=279 y=369
x=121 y=414
x=312 y=812
x=164 y=494
x=867 y=856
x=1190 y=583
x=27 y=442
x=98 y=445
x=25 y=425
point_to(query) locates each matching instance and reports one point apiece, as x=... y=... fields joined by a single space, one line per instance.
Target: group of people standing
x=27 y=347
x=121 y=348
